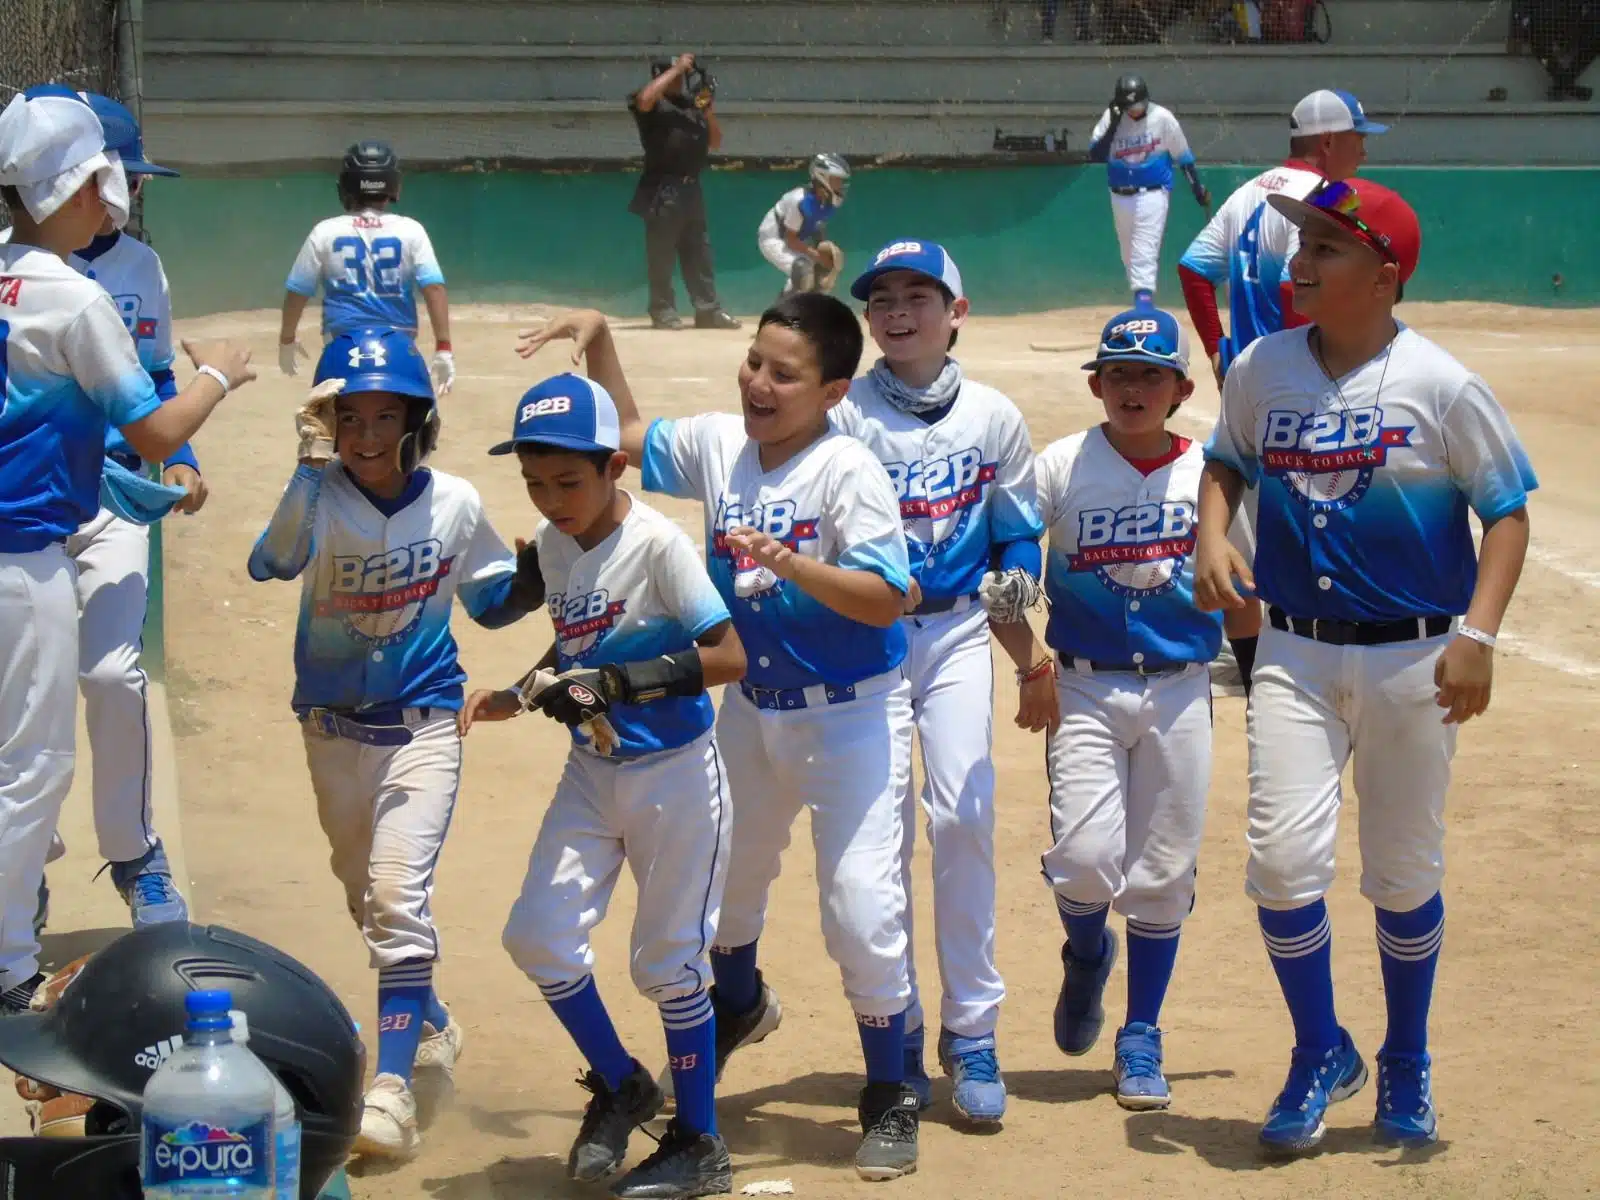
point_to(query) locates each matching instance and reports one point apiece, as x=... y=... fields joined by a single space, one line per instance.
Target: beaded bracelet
x=1039 y=669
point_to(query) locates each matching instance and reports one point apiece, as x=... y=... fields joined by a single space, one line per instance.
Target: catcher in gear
x=793 y=234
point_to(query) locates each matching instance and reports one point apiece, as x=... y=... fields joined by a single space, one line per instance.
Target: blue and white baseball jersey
x=1248 y=245
x=965 y=483
x=641 y=593
x=832 y=502
x=798 y=211
x=1119 y=564
x=377 y=580
x=68 y=371
x=370 y=265
x=1144 y=151
x=1365 y=482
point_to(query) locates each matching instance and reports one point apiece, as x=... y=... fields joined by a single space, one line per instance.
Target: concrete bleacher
x=288 y=81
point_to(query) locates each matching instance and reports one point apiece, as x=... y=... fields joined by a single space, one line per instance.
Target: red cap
x=1374 y=214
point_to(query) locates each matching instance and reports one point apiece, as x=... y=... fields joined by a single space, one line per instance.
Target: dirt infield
x=1514 y=1041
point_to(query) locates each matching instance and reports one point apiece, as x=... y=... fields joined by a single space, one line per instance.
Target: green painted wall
x=1027 y=238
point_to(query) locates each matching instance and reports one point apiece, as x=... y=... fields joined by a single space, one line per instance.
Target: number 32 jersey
x=1119 y=564
x=369 y=265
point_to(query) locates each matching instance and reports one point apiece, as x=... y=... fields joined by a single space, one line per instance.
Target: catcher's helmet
x=385 y=360
x=370 y=171
x=1131 y=90
x=103 y=1040
x=831 y=173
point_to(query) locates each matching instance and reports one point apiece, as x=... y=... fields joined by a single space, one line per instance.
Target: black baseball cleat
x=888 y=1113
x=666 y=321
x=737 y=1030
x=608 y=1121
x=715 y=319
x=686 y=1163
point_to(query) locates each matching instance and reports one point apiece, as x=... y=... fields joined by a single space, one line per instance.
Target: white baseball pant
x=1312 y=707
x=668 y=818
x=113 y=561
x=1129 y=768
x=778 y=254
x=1141 y=221
x=848 y=763
x=951 y=672
x=386 y=810
x=38 y=713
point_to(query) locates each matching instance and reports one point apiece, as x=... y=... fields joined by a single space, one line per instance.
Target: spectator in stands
x=1000 y=18
x=678 y=129
x=1565 y=36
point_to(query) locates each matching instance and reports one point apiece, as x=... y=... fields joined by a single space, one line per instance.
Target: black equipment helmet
x=115 y=1023
x=1131 y=90
x=370 y=171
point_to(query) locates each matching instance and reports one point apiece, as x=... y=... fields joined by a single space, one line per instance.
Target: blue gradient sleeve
x=284 y=547
x=1024 y=554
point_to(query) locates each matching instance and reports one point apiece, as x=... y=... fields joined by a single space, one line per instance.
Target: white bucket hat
x=51 y=144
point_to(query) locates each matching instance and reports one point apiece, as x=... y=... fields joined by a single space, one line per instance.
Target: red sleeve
x=1201 y=298
x=1291 y=319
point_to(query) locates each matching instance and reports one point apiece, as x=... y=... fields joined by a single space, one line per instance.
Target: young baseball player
x=959 y=456
x=383 y=545
x=1369 y=444
x=1140 y=143
x=641 y=633
x=804 y=543
x=370 y=263
x=112 y=555
x=793 y=235
x=68 y=371
x=1130 y=742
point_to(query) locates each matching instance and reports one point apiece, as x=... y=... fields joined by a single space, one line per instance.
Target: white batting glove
x=1008 y=595
x=289 y=354
x=443 y=368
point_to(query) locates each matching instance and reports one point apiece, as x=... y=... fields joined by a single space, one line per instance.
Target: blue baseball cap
x=567 y=411
x=1143 y=335
x=123 y=135
x=1331 y=110
x=925 y=258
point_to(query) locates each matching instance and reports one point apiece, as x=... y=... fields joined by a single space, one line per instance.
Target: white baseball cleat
x=389 y=1121
x=434 y=1074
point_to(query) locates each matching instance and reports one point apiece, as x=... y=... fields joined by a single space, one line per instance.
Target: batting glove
x=1008 y=595
x=443 y=369
x=289 y=354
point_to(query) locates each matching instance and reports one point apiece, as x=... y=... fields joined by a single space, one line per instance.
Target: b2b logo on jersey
x=141 y=329
x=582 y=621
x=778 y=519
x=1327 y=458
x=937 y=487
x=381 y=596
x=1138 y=550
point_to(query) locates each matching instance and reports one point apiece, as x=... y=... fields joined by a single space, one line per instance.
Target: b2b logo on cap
x=896 y=249
x=546 y=406
x=1136 y=327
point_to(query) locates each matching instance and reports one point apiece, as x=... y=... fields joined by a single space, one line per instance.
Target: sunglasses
x=1132 y=338
x=1341 y=202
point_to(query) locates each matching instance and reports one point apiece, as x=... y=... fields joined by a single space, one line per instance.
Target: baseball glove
x=1008 y=595
x=52 y=1112
x=831 y=265
x=575 y=698
x=315 y=422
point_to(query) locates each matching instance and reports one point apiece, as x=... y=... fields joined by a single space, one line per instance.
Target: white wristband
x=218 y=376
x=1477 y=635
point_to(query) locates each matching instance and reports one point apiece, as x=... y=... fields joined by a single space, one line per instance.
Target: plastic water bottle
x=285 y=1123
x=208 y=1114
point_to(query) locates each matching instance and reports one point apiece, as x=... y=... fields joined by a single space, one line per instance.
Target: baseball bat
x=1061 y=347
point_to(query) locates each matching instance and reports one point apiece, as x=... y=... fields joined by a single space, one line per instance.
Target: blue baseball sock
x=1152 y=951
x=434 y=1012
x=402 y=991
x=691 y=1027
x=578 y=1006
x=734 y=970
x=1300 y=944
x=1408 y=951
x=883 y=1045
x=1085 y=925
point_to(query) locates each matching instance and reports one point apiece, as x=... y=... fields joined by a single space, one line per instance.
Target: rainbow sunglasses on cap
x=1378 y=216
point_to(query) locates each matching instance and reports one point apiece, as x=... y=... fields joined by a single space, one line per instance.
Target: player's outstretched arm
x=162 y=434
x=489 y=704
x=1216 y=560
x=857 y=593
x=1464 y=673
x=1038 y=707
x=593 y=344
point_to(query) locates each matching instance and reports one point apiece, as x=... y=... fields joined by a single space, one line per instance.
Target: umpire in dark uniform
x=678 y=130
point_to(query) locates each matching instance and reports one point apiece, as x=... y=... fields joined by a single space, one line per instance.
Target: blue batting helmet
x=123 y=135
x=375 y=359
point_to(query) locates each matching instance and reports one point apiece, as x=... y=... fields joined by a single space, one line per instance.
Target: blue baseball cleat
x=1140 y=1084
x=1316 y=1080
x=916 y=1074
x=146 y=884
x=1405 y=1101
x=1079 y=1013
x=980 y=1091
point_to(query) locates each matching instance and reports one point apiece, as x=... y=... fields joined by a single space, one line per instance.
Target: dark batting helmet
x=113 y=1026
x=1131 y=90
x=370 y=171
